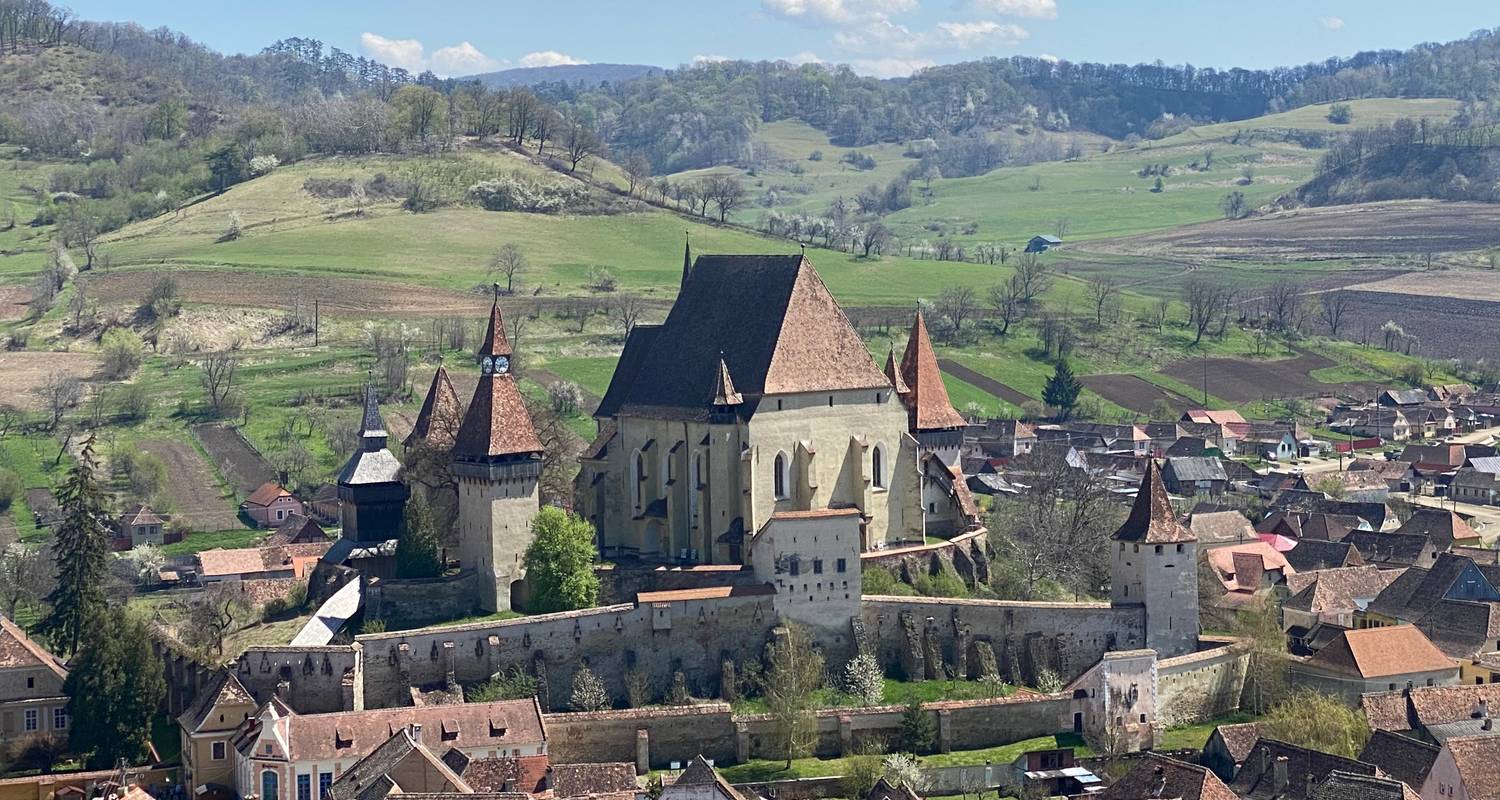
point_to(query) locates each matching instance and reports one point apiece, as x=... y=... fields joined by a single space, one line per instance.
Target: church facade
x=757 y=398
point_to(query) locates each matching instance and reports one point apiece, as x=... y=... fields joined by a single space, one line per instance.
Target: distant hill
x=586 y=74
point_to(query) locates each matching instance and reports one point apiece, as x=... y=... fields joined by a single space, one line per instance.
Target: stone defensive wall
x=1201 y=686
x=966 y=554
x=930 y=637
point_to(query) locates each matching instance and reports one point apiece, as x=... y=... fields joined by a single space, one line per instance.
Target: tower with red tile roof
x=1154 y=565
x=497 y=459
x=934 y=422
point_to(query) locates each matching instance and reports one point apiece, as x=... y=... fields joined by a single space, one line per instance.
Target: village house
x=1276 y=770
x=1129 y=439
x=297 y=529
x=1422 y=712
x=1157 y=776
x=1309 y=554
x=1467 y=768
x=1447 y=528
x=140 y=525
x=1416 y=591
x=207 y=727
x=1393 y=550
x=1193 y=477
x=1330 y=595
x=1401 y=398
x=1246 y=569
x=1041 y=243
x=259 y=563
x=1387 y=424
x=1478 y=481
x=1400 y=757
x=1220 y=528
x=32 y=702
x=1227 y=748
x=1051 y=772
x=998 y=438
x=270 y=505
x=282 y=755
x=1375 y=659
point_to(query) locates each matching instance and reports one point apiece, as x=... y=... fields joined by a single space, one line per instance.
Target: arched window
x=695 y=474
x=781 y=476
x=698 y=469
x=270 y=785
x=877 y=467
x=638 y=480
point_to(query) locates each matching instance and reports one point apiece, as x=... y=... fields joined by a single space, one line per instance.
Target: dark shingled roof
x=1157 y=777
x=1403 y=549
x=885 y=790
x=1478 y=762
x=1256 y=779
x=1406 y=759
x=1315 y=554
x=223 y=689
x=1332 y=590
x=699 y=772
x=1152 y=520
x=1239 y=739
x=1445 y=527
x=1190 y=468
x=370 y=778
x=1462 y=628
x=1349 y=786
x=779 y=329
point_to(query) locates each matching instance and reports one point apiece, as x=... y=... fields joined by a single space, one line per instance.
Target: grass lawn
x=766 y=770
x=214 y=540
x=166 y=737
x=896 y=693
x=1193 y=737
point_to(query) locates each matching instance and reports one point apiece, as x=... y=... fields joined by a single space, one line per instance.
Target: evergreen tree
x=560 y=562
x=417 y=554
x=917 y=729
x=82 y=555
x=114 y=688
x=1062 y=389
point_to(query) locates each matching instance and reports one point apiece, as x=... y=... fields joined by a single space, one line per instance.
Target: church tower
x=934 y=423
x=372 y=496
x=497 y=459
x=1153 y=564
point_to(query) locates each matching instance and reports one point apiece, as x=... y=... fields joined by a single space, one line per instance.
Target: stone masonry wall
x=671 y=734
x=406 y=602
x=965 y=554
x=921 y=637
x=1201 y=686
x=311 y=679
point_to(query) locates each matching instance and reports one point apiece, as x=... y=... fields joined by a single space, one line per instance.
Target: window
x=270 y=786
x=32 y=720
x=877 y=467
x=780 y=478
x=840 y=566
x=31 y=683
x=795 y=565
x=638 y=481
x=216 y=751
x=1158 y=549
x=325 y=780
x=304 y=787
x=1179 y=548
x=698 y=469
x=60 y=718
x=817 y=566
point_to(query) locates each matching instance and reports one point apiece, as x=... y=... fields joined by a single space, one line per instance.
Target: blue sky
x=878 y=37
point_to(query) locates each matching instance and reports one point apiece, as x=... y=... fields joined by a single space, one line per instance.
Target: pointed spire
x=927 y=397
x=724 y=391
x=1152 y=519
x=687 y=257
x=495 y=343
x=372 y=433
x=440 y=415
x=893 y=373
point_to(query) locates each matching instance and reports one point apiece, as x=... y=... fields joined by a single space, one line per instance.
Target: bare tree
x=580 y=143
x=1035 y=279
x=59 y=394
x=1005 y=299
x=1102 y=293
x=956 y=304
x=25 y=576
x=510 y=262
x=637 y=171
x=579 y=310
x=212 y=615
x=521 y=106
x=627 y=311
x=216 y=373
x=10 y=419
x=873 y=238
x=727 y=193
x=1160 y=311
x=1284 y=304
x=1331 y=309
x=1062 y=226
x=1202 y=299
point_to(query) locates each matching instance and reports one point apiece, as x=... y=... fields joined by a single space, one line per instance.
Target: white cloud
x=1031 y=9
x=837 y=12
x=405 y=53
x=1049 y=58
x=548 y=58
x=965 y=35
x=708 y=59
x=461 y=59
x=889 y=67
x=804 y=57
x=1331 y=23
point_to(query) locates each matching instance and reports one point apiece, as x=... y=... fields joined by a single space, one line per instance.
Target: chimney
x=1482 y=711
x=1487 y=725
x=1278 y=779
x=284 y=691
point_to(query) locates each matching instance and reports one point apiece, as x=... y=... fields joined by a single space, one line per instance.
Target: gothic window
x=638 y=481
x=782 y=477
x=698 y=469
x=877 y=467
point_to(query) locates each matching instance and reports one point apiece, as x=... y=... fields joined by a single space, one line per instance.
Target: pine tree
x=82 y=555
x=114 y=688
x=1062 y=389
x=917 y=729
x=417 y=554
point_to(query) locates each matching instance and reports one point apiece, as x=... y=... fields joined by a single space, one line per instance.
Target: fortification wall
x=621 y=583
x=1201 y=686
x=692 y=637
x=312 y=679
x=966 y=555
x=670 y=734
x=412 y=602
x=938 y=637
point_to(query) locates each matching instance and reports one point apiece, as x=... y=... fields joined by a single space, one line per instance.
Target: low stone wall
x=405 y=602
x=1201 y=686
x=620 y=583
x=966 y=554
x=927 y=637
x=650 y=738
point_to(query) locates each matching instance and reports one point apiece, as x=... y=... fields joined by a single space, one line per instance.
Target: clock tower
x=497 y=459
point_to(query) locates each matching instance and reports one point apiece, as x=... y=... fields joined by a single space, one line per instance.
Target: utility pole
x=316 y=322
x=1204 y=362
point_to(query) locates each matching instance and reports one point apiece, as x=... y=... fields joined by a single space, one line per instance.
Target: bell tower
x=497 y=459
x=1154 y=565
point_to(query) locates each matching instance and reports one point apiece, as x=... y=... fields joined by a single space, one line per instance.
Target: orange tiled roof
x=1382 y=652
x=1152 y=519
x=438 y=420
x=268 y=493
x=927 y=396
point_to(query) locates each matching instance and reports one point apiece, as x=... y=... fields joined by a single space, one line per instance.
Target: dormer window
x=497 y=729
x=450 y=730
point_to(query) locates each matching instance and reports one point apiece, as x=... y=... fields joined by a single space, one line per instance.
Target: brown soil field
x=1464 y=284
x=1448 y=327
x=13 y=302
x=985 y=382
x=1135 y=393
x=193 y=487
x=42 y=504
x=1369 y=230
x=237 y=461
x=1239 y=381
x=24 y=371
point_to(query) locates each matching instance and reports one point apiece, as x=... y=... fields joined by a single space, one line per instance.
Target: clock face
x=485 y=365
x=502 y=365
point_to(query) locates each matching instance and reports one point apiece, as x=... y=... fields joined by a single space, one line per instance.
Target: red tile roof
x=268 y=493
x=496 y=423
x=1152 y=519
x=17 y=650
x=1382 y=653
x=927 y=397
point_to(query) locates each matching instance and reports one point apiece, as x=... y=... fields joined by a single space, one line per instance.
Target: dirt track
x=985 y=382
x=1408 y=227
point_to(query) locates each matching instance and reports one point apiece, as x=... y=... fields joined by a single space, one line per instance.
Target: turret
x=1153 y=564
x=934 y=423
x=372 y=496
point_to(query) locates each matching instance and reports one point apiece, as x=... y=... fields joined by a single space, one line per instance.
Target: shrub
x=588 y=691
x=10 y=488
x=121 y=348
x=513 y=683
x=147 y=474
x=1340 y=114
x=1048 y=682
x=864 y=679
x=516 y=193
x=260 y=165
x=566 y=397
x=601 y=280
x=234 y=230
